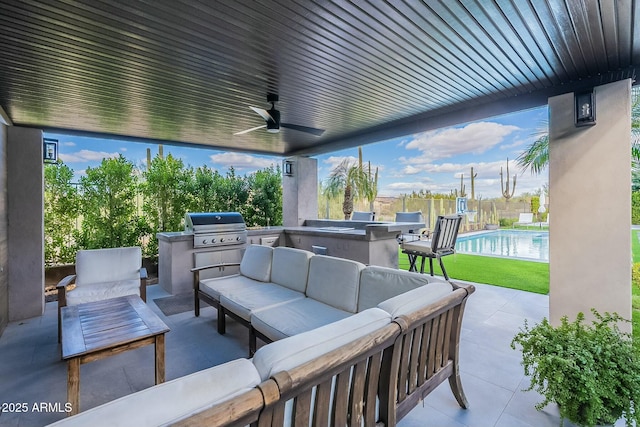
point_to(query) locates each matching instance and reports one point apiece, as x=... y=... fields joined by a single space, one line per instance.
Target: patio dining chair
x=362 y=216
x=413 y=234
x=442 y=243
x=102 y=274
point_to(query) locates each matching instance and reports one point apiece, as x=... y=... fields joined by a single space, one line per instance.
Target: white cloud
x=334 y=161
x=242 y=161
x=86 y=156
x=68 y=144
x=473 y=138
x=411 y=170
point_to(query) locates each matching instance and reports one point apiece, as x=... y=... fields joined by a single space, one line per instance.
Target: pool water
x=528 y=245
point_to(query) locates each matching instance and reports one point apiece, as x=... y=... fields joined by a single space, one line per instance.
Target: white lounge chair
x=524 y=219
x=102 y=274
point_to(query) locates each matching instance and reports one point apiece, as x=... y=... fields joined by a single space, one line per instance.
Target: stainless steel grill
x=213 y=229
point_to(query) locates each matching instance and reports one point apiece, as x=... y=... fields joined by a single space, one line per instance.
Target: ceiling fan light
x=273 y=130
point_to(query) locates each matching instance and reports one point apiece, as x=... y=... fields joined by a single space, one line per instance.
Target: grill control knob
x=238 y=238
x=213 y=240
x=204 y=241
x=221 y=239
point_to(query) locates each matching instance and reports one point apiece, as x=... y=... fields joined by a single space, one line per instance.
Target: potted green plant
x=592 y=371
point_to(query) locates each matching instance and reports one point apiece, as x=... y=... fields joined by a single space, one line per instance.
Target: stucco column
x=299 y=191
x=590 y=211
x=25 y=189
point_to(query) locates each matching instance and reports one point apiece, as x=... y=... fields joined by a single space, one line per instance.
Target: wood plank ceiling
x=186 y=71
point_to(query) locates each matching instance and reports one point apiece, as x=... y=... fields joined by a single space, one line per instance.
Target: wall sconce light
x=585 y=109
x=50 y=150
x=288 y=168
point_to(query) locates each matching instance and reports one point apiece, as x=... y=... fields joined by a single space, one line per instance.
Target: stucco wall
x=25 y=187
x=590 y=196
x=300 y=192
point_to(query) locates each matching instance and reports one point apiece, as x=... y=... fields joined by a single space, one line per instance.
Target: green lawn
x=635 y=287
x=509 y=273
x=516 y=274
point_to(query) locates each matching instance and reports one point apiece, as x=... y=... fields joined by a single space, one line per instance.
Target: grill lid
x=212 y=221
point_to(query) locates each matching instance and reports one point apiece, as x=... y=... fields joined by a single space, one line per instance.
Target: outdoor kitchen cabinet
x=176 y=259
x=228 y=256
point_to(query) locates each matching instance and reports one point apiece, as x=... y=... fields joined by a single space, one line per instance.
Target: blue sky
x=431 y=160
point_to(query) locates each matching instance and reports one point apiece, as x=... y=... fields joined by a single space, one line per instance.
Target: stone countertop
x=358 y=230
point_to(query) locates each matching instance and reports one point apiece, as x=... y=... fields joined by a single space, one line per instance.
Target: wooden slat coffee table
x=96 y=330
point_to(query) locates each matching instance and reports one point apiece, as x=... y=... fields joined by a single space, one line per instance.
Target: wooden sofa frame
x=399 y=364
x=199 y=295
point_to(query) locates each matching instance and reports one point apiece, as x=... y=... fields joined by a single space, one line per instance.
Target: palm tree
x=536 y=156
x=352 y=180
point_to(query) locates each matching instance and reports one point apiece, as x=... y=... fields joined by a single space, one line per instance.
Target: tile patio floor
x=31 y=370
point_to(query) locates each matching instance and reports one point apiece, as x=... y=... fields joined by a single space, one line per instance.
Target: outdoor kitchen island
x=371 y=243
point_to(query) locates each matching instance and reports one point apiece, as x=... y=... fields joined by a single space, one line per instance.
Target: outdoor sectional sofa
x=281 y=291
x=369 y=368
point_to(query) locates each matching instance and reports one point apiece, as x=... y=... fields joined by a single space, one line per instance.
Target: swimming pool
x=528 y=245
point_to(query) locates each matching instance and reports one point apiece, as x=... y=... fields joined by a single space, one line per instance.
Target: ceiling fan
x=272 y=119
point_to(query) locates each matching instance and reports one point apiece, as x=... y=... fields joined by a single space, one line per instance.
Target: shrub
x=591 y=371
x=635 y=207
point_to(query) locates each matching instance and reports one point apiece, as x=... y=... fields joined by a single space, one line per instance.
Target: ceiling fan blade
x=250 y=130
x=314 y=131
x=263 y=113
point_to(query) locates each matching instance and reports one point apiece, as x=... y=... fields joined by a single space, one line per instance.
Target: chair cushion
x=174 y=400
x=378 y=284
x=421 y=246
x=362 y=216
x=409 y=216
x=294 y=317
x=242 y=300
x=256 y=263
x=290 y=267
x=416 y=299
x=108 y=265
x=101 y=291
x=217 y=285
x=293 y=351
x=334 y=281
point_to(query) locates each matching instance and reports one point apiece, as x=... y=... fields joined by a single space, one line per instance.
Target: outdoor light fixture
x=585 y=109
x=50 y=150
x=288 y=168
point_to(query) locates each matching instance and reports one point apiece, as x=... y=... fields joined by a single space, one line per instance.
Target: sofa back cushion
x=378 y=284
x=171 y=401
x=416 y=299
x=256 y=263
x=334 y=281
x=293 y=351
x=290 y=268
x=108 y=265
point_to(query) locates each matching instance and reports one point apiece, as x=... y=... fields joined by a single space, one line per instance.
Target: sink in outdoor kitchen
x=336 y=228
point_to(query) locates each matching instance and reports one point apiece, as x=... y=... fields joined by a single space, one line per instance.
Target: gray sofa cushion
x=295 y=317
x=242 y=300
x=215 y=286
x=290 y=267
x=378 y=284
x=416 y=299
x=171 y=401
x=256 y=263
x=296 y=350
x=334 y=281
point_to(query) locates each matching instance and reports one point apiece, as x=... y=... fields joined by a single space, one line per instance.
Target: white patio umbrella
x=542 y=209
x=543 y=201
